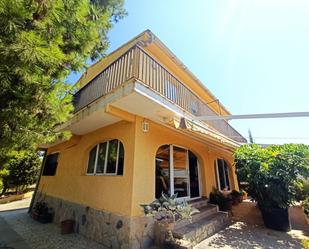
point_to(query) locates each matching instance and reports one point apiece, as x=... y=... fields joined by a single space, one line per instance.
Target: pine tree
x=41 y=42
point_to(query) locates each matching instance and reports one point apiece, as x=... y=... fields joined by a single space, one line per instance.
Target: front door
x=177 y=172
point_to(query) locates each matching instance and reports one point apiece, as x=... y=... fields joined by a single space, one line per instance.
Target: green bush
x=20 y=170
x=274 y=173
x=3 y=173
x=303 y=191
x=1 y=185
x=218 y=198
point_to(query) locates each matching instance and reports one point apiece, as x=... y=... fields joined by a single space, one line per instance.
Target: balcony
x=137 y=65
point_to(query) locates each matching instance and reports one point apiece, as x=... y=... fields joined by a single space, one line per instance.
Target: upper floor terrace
x=134 y=80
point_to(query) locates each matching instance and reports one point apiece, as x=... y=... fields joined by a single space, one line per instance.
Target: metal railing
x=136 y=63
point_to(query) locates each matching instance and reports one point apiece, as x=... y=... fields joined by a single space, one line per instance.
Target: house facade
x=135 y=134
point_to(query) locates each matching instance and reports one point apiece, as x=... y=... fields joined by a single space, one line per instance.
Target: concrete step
x=202 y=229
x=198 y=203
x=205 y=211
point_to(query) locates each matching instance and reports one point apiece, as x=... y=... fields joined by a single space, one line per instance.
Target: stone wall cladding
x=109 y=229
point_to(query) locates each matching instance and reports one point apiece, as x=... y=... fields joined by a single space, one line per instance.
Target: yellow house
x=135 y=135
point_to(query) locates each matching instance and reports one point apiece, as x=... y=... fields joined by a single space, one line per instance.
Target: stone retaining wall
x=112 y=230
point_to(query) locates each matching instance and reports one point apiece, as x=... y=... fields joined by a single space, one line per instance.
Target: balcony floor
x=134 y=98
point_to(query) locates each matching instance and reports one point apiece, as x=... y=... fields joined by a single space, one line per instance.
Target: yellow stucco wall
x=112 y=193
x=123 y=194
x=144 y=161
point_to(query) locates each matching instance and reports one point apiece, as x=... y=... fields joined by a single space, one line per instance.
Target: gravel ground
x=242 y=236
x=45 y=236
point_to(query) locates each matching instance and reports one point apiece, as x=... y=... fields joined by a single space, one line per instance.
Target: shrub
x=273 y=173
x=235 y=194
x=218 y=198
x=303 y=191
x=1 y=185
x=20 y=170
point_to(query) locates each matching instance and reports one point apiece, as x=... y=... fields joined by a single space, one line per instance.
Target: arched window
x=106 y=158
x=222 y=174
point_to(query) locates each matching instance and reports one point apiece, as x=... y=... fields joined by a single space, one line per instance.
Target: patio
x=37 y=235
x=245 y=236
x=31 y=234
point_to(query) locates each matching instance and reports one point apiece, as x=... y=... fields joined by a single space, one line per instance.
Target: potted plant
x=244 y=195
x=273 y=175
x=223 y=201
x=236 y=197
x=166 y=211
x=67 y=226
x=42 y=213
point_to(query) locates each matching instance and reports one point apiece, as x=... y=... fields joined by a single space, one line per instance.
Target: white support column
x=171 y=169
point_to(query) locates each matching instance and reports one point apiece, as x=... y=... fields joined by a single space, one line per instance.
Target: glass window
x=50 y=166
x=91 y=162
x=163 y=171
x=101 y=158
x=106 y=158
x=112 y=157
x=180 y=172
x=120 y=159
x=222 y=175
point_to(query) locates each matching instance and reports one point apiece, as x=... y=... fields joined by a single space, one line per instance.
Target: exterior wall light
x=145 y=126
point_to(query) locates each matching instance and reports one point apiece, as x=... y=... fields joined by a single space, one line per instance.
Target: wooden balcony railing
x=136 y=63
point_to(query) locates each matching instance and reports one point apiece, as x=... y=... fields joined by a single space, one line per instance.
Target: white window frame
x=105 y=161
x=228 y=174
x=171 y=173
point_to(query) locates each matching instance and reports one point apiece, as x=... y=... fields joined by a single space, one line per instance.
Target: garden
x=18 y=173
x=276 y=177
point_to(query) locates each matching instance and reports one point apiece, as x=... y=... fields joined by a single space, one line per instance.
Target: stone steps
x=205 y=211
x=204 y=224
x=197 y=231
x=199 y=203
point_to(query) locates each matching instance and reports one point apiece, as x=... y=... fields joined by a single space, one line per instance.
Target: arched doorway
x=177 y=172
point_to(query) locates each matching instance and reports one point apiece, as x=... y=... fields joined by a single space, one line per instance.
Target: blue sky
x=253 y=55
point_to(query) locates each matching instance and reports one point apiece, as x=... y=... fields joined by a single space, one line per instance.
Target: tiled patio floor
x=43 y=236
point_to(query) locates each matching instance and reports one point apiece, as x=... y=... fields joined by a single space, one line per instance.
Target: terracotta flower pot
x=67 y=226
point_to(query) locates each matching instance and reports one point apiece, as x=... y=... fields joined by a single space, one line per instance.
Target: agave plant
x=168 y=209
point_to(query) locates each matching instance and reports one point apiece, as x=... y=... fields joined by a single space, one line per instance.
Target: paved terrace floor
x=243 y=236
x=19 y=231
x=9 y=238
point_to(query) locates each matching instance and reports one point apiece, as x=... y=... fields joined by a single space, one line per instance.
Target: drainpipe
x=38 y=181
